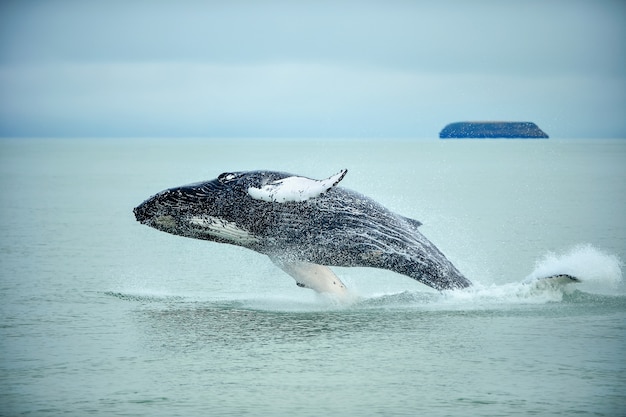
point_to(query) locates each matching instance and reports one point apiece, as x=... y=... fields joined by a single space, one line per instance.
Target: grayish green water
x=101 y=315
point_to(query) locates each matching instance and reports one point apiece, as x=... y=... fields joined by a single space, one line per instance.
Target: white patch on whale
x=220 y=228
x=316 y=277
x=295 y=189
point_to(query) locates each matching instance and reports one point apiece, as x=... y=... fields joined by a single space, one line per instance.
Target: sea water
x=104 y=316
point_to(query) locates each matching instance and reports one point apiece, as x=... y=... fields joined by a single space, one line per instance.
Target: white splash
x=295 y=189
x=598 y=271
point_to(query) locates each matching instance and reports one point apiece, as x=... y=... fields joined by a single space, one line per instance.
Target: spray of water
x=599 y=272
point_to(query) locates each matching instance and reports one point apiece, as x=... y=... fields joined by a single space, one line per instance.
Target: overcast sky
x=310 y=68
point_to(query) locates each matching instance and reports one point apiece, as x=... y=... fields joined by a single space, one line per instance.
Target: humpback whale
x=303 y=225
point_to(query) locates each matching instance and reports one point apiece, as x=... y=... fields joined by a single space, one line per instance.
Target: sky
x=376 y=69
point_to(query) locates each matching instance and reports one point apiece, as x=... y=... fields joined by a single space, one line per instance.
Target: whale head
x=230 y=208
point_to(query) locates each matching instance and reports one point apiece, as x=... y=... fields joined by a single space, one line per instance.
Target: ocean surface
x=103 y=316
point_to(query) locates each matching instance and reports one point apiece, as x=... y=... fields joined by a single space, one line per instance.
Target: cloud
x=290 y=99
x=247 y=68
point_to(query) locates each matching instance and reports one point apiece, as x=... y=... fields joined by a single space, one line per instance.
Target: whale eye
x=226 y=177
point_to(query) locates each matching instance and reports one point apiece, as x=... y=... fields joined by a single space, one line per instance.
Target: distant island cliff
x=492 y=130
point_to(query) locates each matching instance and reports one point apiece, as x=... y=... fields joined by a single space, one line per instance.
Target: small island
x=492 y=130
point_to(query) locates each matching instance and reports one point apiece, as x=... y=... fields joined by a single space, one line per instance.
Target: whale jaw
x=203 y=227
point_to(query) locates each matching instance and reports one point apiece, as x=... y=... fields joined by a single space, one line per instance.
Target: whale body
x=303 y=225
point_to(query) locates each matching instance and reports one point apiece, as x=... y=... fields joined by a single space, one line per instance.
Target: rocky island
x=492 y=130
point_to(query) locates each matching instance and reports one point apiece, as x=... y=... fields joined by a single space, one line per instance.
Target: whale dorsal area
x=295 y=189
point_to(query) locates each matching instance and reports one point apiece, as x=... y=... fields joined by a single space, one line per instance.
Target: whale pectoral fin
x=316 y=277
x=295 y=189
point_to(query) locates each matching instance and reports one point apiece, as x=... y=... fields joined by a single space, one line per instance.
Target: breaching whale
x=303 y=225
